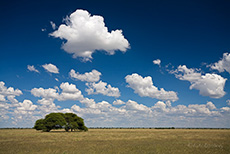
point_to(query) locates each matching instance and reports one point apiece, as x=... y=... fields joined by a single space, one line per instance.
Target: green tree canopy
x=74 y=122
x=39 y=124
x=68 y=121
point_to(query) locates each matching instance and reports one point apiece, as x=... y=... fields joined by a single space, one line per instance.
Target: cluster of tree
x=68 y=121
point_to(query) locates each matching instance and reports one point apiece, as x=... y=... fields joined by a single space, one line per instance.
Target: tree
x=54 y=121
x=69 y=121
x=39 y=124
x=74 y=122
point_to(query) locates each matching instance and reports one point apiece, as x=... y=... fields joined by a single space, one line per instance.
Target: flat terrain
x=139 y=141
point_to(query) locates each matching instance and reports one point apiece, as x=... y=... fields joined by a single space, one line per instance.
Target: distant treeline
x=150 y=128
x=130 y=128
x=16 y=128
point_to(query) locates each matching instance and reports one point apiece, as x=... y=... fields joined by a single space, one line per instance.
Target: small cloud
x=102 y=88
x=32 y=68
x=43 y=29
x=157 y=62
x=53 y=25
x=51 y=68
x=118 y=102
x=92 y=76
x=223 y=64
x=228 y=102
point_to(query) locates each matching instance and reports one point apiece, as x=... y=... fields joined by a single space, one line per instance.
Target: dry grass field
x=134 y=141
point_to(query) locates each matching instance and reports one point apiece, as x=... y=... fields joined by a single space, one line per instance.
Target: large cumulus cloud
x=84 y=34
x=211 y=85
x=144 y=87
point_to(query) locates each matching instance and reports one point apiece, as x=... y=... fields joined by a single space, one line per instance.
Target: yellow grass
x=139 y=141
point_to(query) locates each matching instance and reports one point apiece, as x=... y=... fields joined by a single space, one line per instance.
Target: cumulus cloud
x=118 y=102
x=10 y=93
x=10 y=106
x=132 y=105
x=69 y=92
x=157 y=62
x=225 y=109
x=92 y=76
x=211 y=85
x=160 y=106
x=84 y=34
x=49 y=93
x=128 y=114
x=51 y=68
x=195 y=110
x=32 y=68
x=132 y=113
x=223 y=64
x=2 y=98
x=210 y=106
x=26 y=107
x=102 y=88
x=144 y=87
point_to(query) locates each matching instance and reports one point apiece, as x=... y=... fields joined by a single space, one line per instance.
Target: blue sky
x=150 y=64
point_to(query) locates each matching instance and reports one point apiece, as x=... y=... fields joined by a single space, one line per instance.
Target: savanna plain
x=123 y=141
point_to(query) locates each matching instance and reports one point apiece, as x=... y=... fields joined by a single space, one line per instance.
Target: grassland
x=135 y=141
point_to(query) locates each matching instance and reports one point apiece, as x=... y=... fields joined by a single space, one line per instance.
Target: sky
x=116 y=64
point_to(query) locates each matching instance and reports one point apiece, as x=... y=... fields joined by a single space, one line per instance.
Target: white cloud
x=49 y=93
x=12 y=99
x=2 y=98
x=157 y=62
x=128 y=114
x=144 y=87
x=132 y=105
x=84 y=34
x=210 y=106
x=68 y=88
x=194 y=110
x=51 y=68
x=92 y=76
x=160 y=106
x=118 y=102
x=211 y=85
x=47 y=106
x=228 y=102
x=9 y=93
x=69 y=92
x=32 y=68
x=26 y=107
x=102 y=88
x=53 y=25
x=225 y=109
x=223 y=64
x=139 y=115
x=88 y=102
x=104 y=114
